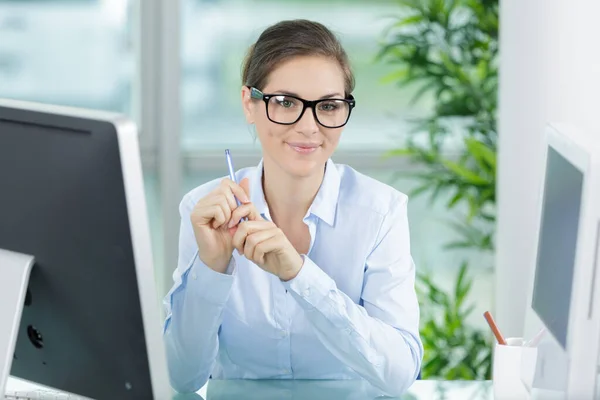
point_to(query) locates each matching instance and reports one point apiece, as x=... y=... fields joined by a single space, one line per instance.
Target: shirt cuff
x=209 y=284
x=311 y=285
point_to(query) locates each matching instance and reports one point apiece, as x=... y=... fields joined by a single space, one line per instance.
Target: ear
x=247 y=105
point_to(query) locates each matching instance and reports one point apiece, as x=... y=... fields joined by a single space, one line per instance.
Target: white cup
x=506 y=371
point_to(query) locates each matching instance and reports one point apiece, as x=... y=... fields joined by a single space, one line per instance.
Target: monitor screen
x=557 y=244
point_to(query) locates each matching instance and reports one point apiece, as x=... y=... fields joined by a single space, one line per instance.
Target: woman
x=321 y=285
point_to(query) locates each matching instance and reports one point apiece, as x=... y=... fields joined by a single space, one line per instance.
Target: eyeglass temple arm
x=255 y=93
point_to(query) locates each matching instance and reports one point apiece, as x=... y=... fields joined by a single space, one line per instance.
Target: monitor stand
x=14 y=269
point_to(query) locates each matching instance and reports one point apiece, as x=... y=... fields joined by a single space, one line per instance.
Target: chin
x=303 y=168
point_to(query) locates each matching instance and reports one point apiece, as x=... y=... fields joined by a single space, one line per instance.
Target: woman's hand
x=210 y=221
x=263 y=243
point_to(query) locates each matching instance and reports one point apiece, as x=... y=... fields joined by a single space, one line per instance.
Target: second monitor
x=562 y=296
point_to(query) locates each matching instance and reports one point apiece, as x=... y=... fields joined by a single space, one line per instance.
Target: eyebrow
x=327 y=96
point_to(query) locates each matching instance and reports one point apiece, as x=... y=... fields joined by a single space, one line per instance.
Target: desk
x=328 y=390
x=320 y=390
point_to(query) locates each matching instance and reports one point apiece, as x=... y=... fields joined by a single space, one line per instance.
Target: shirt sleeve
x=194 y=308
x=378 y=339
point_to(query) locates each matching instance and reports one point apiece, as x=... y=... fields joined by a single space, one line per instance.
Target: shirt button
x=283 y=333
x=285 y=371
x=194 y=276
x=307 y=292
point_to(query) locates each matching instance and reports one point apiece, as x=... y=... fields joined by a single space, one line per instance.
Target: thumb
x=245 y=184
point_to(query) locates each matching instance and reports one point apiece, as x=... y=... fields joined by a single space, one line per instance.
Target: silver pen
x=232 y=175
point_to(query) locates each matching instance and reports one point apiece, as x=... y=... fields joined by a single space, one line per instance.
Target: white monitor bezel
x=585 y=331
x=581 y=150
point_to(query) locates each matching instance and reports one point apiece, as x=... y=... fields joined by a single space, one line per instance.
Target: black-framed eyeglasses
x=285 y=109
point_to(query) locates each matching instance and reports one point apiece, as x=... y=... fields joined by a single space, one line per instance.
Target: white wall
x=549 y=71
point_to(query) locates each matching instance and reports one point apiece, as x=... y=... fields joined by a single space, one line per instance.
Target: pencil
x=490 y=320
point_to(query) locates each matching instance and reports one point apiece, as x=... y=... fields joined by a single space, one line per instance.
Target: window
x=75 y=53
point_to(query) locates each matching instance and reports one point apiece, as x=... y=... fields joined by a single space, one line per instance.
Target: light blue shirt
x=350 y=313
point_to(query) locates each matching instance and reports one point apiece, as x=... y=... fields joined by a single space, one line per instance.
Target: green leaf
x=398 y=153
x=414 y=4
x=431 y=367
x=398 y=75
x=462 y=292
x=470 y=237
x=473 y=208
x=468 y=175
x=420 y=190
x=451 y=5
x=438 y=8
x=482 y=69
x=455 y=199
x=460 y=282
x=433 y=328
x=411 y=20
x=488 y=194
x=459 y=245
x=488 y=217
x=437 y=188
x=464 y=314
x=481 y=152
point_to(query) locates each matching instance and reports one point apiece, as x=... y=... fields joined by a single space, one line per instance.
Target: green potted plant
x=449 y=50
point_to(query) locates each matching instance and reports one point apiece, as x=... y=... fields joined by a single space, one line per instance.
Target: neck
x=288 y=197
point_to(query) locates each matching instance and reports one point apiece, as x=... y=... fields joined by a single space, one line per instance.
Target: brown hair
x=288 y=39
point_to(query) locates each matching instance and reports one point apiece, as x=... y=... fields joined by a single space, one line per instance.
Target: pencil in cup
x=490 y=320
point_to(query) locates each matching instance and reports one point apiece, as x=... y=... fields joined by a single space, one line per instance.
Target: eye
x=328 y=106
x=285 y=102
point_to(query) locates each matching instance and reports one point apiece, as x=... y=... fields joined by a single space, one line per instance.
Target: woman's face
x=301 y=149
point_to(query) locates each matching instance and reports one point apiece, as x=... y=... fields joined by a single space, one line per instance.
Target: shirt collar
x=324 y=205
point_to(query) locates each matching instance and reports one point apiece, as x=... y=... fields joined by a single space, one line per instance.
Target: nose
x=307 y=125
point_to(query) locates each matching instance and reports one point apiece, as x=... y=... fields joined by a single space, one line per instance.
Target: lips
x=304 y=148
x=304 y=145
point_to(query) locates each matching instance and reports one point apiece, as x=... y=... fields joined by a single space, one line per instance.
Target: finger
x=218 y=215
x=247 y=227
x=209 y=210
x=267 y=246
x=226 y=200
x=245 y=185
x=222 y=201
x=237 y=191
x=254 y=239
x=245 y=210
x=225 y=191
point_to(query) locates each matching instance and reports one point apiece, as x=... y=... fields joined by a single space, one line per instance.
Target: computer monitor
x=560 y=309
x=72 y=208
